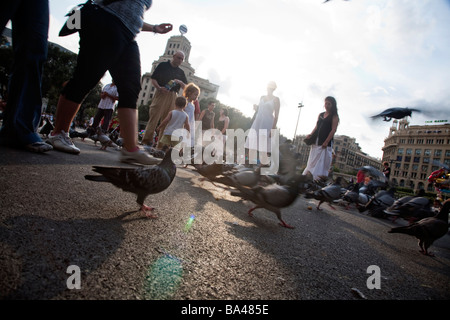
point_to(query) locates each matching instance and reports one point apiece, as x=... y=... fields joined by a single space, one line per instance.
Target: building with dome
x=174 y=44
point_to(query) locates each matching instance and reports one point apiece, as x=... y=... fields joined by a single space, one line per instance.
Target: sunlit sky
x=369 y=54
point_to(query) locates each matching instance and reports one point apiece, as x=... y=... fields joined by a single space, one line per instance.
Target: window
x=406 y=167
x=427 y=152
x=407 y=159
x=447 y=153
x=399 y=158
x=419 y=141
x=416 y=159
x=440 y=141
x=425 y=168
x=437 y=153
x=430 y=141
x=418 y=152
x=415 y=167
x=400 y=151
x=408 y=151
x=426 y=160
x=410 y=141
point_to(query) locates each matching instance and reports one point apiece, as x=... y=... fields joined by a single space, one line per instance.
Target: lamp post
x=300 y=106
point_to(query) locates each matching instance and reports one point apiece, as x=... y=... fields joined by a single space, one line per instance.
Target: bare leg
x=128 y=119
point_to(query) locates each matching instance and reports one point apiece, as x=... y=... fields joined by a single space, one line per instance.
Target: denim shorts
x=105 y=45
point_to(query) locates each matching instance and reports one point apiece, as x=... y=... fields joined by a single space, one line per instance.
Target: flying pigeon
x=328 y=193
x=396 y=113
x=429 y=229
x=273 y=197
x=140 y=181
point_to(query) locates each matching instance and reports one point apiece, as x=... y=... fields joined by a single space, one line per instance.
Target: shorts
x=167 y=140
x=105 y=45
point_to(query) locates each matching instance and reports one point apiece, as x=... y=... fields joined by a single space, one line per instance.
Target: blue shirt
x=130 y=12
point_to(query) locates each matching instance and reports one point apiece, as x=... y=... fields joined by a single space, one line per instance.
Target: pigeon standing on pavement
x=273 y=197
x=328 y=193
x=396 y=113
x=414 y=209
x=140 y=181
x=427 y=230
x=382 y=200
x=352 y=196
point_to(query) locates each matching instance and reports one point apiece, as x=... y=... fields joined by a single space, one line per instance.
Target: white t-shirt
x=176 y=122
x=108 y=103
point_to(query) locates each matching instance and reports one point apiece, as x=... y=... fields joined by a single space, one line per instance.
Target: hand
x=163 y=28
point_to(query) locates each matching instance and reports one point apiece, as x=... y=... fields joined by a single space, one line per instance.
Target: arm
x=186 y=124
x=165 y=121
x=202 y=115
x=334 y=125
x=212 y=122
x=157 y=28
x=225 y=125
x=277 y=112
x=181 y=83
x=158 y=87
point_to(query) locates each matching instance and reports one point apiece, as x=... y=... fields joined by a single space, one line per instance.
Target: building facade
x=208 y=90
x=414 y=152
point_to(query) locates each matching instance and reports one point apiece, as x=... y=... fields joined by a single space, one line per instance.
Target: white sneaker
x=62 y=142
x=137 y=157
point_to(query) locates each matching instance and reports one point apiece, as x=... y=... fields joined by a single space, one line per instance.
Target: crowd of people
x=107 y=43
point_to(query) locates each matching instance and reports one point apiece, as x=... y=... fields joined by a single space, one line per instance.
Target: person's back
x=176 y=122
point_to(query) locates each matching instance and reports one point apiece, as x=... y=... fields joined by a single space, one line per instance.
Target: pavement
x=66 y=238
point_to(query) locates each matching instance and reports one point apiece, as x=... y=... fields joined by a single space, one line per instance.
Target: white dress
x=262 y=125
x=319 y=161
x=190 y=110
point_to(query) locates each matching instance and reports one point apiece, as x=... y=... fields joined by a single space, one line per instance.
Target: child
x=176 y=119
x=191 y=93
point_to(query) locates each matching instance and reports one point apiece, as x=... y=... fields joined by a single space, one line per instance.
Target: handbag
x=311 y=140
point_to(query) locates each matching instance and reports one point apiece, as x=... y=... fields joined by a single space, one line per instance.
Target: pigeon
x=104 y=140
x=328 y=193
x=157 y=153
x=352 y=196
x=273 y=197
x=396 y=113
x=427 y=230
x=382 y=200
x=411 y=208
x=140 y=181
x=46 y=128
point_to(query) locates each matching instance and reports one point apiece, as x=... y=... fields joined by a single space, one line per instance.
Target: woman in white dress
x=321 y=154
x=266 y=118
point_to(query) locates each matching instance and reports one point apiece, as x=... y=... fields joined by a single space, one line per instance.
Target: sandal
x=39 y=147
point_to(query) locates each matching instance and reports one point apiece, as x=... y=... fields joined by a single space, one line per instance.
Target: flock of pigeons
x=275 y=192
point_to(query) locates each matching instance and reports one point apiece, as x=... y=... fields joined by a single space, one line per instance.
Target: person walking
x=176 y=119
x=321 y=154
x=105 y=108
x=107 y=43
x=22 y=113
x=168 y=78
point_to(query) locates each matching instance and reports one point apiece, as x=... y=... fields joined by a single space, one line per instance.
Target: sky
x=369 y=54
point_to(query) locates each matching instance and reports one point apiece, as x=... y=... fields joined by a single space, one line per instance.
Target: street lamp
x=300 y=106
